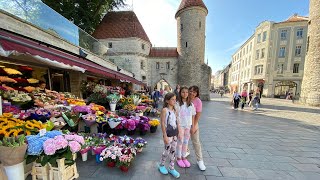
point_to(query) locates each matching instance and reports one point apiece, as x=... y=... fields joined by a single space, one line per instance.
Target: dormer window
x=110 y=45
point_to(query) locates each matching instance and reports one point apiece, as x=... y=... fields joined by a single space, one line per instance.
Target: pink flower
x=69 y=137
x=74 y=146
x=49 y=147
x=113 y=157
x=61 y=143
x=79 y=139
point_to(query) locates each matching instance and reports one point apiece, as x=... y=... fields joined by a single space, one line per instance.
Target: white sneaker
x=201 y=165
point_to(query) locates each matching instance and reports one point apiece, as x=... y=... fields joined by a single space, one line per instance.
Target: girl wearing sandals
x=170 y=128
x=186 y=113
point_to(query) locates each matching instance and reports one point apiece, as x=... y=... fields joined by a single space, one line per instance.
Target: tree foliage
x=86 y=14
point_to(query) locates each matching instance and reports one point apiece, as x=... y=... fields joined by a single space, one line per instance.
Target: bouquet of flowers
x=113 y=98
x=126 y=158
x=40 y=114
x=136 y=99
x=82 y=109
x=89 y=119
x=114 y=122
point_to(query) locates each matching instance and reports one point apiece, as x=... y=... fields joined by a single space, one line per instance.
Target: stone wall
x=170 y=75
x=205 y=82
x=75 y=82
x=311 y=79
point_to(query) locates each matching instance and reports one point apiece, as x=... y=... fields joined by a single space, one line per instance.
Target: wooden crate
x=40 y=172
x=27 y=169
x=63 y=172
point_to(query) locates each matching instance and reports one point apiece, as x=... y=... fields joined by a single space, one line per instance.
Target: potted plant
x=126 y=158
x=154 y=123
x=113 y=99
x=140 y=143
x=111 y=155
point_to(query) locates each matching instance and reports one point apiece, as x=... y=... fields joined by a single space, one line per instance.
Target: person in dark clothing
x=127 y=91
x=250 y=96
x=236 y=99
x=156 y=96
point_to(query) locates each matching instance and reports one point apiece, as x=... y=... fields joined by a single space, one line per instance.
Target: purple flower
x=49 y=147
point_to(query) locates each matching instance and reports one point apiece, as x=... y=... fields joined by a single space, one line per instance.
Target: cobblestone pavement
x=236 y=145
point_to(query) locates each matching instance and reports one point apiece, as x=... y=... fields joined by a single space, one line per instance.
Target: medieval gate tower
x=191 y=27
x=310 y=90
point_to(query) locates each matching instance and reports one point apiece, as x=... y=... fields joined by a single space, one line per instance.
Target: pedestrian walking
x=236 y=100
x=256 y=101
x=186 y=113
x=244 y=94
x=242 y=102
x=170 y=129
x=221 y=92
x=250 y=97
x=177 y=91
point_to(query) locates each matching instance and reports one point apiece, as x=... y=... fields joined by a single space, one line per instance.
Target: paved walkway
x=236 y=145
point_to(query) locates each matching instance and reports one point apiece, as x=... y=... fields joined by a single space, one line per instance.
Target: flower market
x=54 y=112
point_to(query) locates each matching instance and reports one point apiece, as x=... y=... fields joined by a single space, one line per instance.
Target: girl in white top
x=186 y=113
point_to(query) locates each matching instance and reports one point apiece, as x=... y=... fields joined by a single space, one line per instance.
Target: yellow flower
x=29 y=125
x=33 y=81
x=18 y=132
x=2 y=133
x=10 y=133
x=7 y=115
x=154 y=122
x=12 y=71
x=27 y=132
x=122 y=100
x=129 y=100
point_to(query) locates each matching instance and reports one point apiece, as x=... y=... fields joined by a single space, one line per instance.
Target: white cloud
x=157 y=19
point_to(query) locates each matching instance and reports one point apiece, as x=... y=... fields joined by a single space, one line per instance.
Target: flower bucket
x=112 y=106
x=124 y=168
x=27 y=168
x=98 y=158
x=15 y=172
x=92 y=152
x=153 y=129
x=111 y=164
x=84 y=156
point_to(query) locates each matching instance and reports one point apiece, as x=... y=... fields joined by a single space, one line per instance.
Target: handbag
x=170 y=130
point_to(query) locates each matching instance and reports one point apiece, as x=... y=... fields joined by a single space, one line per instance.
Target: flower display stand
x=63 y=172
x=40 y=172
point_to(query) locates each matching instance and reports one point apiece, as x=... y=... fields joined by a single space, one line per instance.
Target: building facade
x=131 y=49
x=271 y=61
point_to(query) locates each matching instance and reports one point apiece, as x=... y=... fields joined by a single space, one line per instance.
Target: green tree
x=86 y=14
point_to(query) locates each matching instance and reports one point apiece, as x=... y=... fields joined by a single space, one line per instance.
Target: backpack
x=170 y=130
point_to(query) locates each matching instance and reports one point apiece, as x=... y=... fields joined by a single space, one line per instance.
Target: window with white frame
x=282 y=52
x=259 y=38
x=283 y=34
x=257 y=54
x=299 y=33
x=296 y=68
x=298 y=51
x=264 y=36
x=280 y=68
x=262 y=52
x=258 y=69
x=157 y=65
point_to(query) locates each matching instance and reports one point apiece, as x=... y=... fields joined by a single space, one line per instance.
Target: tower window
x=110 y=45
x=181 y=27
x=168 y=65
x=200 y=24
x=157 y=65
x=142 y=46
x=186 y=44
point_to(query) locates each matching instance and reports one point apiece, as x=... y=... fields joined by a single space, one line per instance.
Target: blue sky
x=229 y=22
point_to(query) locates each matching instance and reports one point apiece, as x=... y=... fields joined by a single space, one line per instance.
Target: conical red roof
x=120 y=24
x=189 y=3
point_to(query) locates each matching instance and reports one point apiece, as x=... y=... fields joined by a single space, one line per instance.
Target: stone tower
x=191 y=24
x=310 y=90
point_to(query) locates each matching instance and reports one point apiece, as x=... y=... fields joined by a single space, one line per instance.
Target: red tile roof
x=189 y=3
x=163 y=52
x=296 y=18
x=120 y=24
